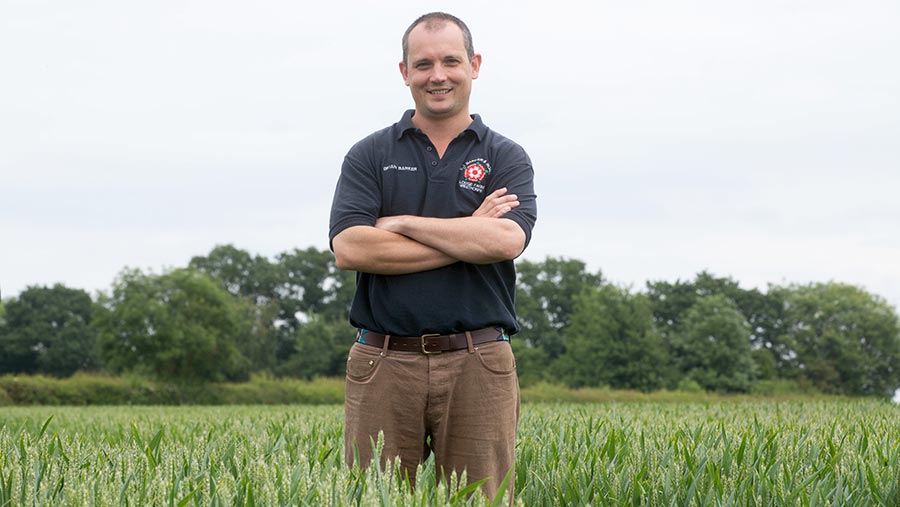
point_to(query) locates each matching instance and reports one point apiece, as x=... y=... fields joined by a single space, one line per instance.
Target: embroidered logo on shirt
x=473 y=173
x=396 y=167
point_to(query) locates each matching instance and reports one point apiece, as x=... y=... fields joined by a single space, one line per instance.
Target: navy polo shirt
x=396 y=171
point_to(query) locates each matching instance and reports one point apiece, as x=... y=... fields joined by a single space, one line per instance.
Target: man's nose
x=438 y=73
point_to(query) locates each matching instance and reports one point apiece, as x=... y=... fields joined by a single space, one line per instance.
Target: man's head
x=439 y=64
x=434 y=20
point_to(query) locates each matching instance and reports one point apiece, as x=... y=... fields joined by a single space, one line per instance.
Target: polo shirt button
x=433 y=162
x=428 y=148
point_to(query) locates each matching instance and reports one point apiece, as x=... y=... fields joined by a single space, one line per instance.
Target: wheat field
x=747 y=453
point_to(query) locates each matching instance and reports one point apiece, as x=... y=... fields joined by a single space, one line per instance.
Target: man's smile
x=441 y=91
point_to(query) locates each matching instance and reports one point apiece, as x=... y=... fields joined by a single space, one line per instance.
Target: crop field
x=808 y=453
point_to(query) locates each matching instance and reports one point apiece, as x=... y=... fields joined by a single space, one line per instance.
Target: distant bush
x=688 y=392
x=544 y=392
x=271 y=391
x=85 y=389
x=688 y=385
x=778 y=387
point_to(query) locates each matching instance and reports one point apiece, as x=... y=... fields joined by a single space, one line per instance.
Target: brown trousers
x=462 y=405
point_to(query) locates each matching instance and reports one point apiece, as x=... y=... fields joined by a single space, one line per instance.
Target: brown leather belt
x=430 y=343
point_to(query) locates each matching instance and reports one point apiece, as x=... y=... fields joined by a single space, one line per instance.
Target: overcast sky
x=754 y=139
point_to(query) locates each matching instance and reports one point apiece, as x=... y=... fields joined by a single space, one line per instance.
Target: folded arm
x=372 y=250
x=409 y=244
x=477 y=240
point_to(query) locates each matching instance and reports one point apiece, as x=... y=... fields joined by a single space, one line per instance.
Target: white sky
x=756 y=139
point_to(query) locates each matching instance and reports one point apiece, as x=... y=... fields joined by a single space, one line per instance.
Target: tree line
x=229 y=314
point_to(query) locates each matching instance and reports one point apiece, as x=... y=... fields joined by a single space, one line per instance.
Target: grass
x=750 y=452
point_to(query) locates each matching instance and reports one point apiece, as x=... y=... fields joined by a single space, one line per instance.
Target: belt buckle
x=422 y=339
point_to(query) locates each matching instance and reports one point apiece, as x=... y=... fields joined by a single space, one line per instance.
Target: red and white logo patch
x=475 y=172
x=473 y=175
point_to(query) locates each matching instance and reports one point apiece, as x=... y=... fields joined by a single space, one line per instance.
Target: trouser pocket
x=497 y=357
x=363 y=362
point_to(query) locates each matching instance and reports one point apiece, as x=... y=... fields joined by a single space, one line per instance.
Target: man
x=431 y=213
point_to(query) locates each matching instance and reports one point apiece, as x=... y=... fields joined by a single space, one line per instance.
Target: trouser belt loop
x=384 y=349
x=469 y=342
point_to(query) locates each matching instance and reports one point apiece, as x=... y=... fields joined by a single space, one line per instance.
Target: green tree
x=773 y=353
x=2 y=326
x=310 y=283
x=252 y=279
x=612 y=341
x=309 y=286
x=48 y=331
x=545 y=299
x=532 y=363
x=545 y=293
x=847 y=340
x=321 y=348
x=671 y=302
x=177 y=326
x=244 y=275
x=713 y=347
x=297 y=285
x=764 y=313
x=260 y=337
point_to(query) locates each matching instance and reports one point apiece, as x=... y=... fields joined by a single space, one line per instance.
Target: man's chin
x=439 y=113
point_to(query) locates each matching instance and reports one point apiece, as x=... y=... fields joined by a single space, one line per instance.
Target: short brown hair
x=436 y=20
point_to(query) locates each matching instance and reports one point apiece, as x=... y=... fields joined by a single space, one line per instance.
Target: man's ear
x=404 y=73
x=476 y=65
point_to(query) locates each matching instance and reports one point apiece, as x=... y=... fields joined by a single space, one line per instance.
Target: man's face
x=438 y=71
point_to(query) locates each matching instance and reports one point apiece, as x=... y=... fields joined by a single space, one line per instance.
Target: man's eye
x=423 y=65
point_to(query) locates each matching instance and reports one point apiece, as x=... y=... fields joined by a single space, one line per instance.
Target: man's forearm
x=372 y=250
x=477 y=240
x=407 y=244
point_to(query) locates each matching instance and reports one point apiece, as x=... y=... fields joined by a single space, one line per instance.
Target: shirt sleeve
x=357 y=196
x=517 y=175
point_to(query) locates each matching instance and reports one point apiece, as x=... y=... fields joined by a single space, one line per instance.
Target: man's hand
x=494 y=205
x=478 y=239
x=408 y=244
x=497 y=204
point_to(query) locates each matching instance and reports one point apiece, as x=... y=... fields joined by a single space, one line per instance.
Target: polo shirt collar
x=405 y=124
